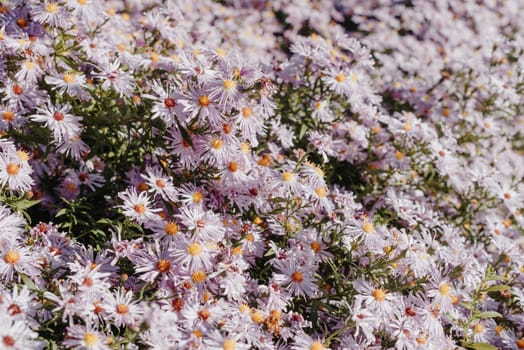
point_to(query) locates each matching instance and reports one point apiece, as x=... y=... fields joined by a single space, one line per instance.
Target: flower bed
x=262 y=175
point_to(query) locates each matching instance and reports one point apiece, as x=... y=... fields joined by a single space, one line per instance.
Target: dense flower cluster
x=299 y=175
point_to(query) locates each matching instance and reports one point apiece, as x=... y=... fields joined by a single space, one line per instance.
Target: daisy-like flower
x=304 y=341
x=443 y=295
x=71 y=83
x=18 y=95
x=225 y=90
x=192 y=254
x=121 y=308
x=85 y=338
x=167 y=104
x=87 y=10
x=287 y=181
x=376 y=299
x=92 y=282
x=17 y=335
x=137 y=206
x=51 y=13
x=205 y=225
x=73 y=147
x=322 y=112
x=29 y=72
x=218 y=341
x=114 y=77
x=15 y=171
x=250 y=123
x=160 y=184
x=155 y=261
x=15 y=258
x=337 y=81
x=297 y=279
x=57 y=118
x=87 y=178
x=201 y=105
x=11 y=224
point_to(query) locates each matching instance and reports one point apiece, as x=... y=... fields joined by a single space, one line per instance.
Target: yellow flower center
x=22 y=155
x=246 y=112
x=82 y=2
x=197 y=197
x=478 y=328
x=316 y=345
x=198 y=276
x=368 y=227
x=12 y=257
x=379 y=294
x=340 y=78
x=216 y=143
x=399 y=155
x=51 y=8
x=69 y=78
x=444 y=289
x=203 y=101
x=287 y=176
x=229 y=84
x=229 y=344
x=321 y=192
x=257 y=316
x=194 y=249
x=122 y=309
x=171 y=228
x=90 y=339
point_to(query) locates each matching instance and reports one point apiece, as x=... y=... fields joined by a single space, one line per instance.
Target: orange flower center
x=203 y=101
x=297 y=276
x=379 y=294
x=12 y=257
x=122 y=309
x=163 y=265
x=139 y=208
x=171 y=228
x=12 y=169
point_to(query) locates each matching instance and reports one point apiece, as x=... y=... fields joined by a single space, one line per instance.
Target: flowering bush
x=262 y=175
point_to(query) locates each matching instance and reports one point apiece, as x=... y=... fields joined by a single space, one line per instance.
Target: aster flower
x=204 y=225
x=57 y=118
x=297 y=279
x=16 y=258
x=71 y=83
x=137 y=206
x=17 y=335
x=167 y=104
x=121 y=308
x=304 y=341
x=85 y=338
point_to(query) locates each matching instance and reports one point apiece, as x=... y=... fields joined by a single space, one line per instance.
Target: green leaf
x=25 y=204
x=27 y=281
x=487 y=314
x=498 y=288
x=481 y=346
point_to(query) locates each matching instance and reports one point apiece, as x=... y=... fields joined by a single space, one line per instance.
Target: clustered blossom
x=262 y=175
